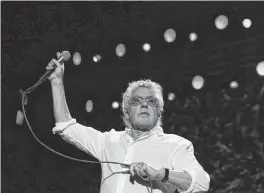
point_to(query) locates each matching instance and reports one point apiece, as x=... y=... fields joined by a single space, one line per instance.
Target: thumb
x=58 y=55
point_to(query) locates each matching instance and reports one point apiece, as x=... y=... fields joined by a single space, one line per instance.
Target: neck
x=137 y=133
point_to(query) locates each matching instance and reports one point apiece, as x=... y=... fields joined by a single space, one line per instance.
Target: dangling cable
x=30 y=89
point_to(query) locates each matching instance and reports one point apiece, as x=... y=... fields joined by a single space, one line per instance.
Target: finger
x=137 y=170
x=145 y=168
x=142 y=171
x=56 y=62
x=50 y=66
x=58 y=55
x=131 y=169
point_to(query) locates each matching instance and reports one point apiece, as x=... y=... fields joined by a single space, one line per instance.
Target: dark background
x=225 y=125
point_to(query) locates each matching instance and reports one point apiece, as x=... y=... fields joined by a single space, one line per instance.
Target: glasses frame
x=144 y=99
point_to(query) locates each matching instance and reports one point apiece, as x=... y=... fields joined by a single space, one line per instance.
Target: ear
x=127 y=115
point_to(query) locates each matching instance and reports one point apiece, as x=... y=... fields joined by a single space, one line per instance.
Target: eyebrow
x=144 y=97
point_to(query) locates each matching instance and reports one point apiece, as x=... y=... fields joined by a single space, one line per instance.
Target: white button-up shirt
x=157 y=149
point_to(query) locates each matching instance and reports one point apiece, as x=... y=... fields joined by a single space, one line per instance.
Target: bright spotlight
x=120 y=50
x=221 y=22
x=97 y=58
x=169 y=35
x=19 y=118
x=171 y=96
x=247 y=23
x=89 y=106
x=233 y=84
x=260 y=68
x=193 y=36
x=115 y=105
x=198 y=82
x=77 y=58
x=146 y=47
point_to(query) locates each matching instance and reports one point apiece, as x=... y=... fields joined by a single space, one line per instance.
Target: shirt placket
x=128 y=158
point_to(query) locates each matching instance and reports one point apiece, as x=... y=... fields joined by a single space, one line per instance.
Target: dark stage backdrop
x=225 y=125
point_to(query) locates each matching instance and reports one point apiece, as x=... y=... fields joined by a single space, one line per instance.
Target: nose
x=144 y=104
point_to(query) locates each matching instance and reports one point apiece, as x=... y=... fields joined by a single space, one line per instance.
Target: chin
x=145 y=127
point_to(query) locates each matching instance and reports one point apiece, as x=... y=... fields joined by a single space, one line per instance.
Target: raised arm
x=61 y=111
x=84 y=138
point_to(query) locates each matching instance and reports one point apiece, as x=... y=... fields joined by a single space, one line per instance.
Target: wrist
x=56 y=81
x=161 y=174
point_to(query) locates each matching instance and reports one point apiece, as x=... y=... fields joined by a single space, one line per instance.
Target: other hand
x=146 y=172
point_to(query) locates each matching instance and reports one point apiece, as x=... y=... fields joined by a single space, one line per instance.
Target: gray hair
x=155 y=87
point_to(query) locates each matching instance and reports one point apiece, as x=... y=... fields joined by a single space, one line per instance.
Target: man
x=167 y=160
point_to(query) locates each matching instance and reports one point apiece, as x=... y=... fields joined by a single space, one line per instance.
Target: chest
x=152 y=151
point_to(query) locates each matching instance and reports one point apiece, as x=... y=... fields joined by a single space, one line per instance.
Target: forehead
x=143 y=92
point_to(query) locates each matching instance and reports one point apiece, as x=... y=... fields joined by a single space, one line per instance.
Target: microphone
x=65 y=56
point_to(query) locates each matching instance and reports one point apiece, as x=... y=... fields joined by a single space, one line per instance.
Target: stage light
x=198 y=82
x=120 y=50
x=19 y=118
x=247 y=23
x=77 y=58
x=169 y=35
x=171 y=96
x=146 y=47
x=97 y=58
x=193 y=36
x=221 y=22
x=89 y=106
x=233 y=84
x=260 y=68
x=115 y=105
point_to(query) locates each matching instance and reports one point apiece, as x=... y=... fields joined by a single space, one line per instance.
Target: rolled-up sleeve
x=183 y=159
x=84 y=138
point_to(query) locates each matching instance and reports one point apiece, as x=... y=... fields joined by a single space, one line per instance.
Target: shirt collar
x=155 y=130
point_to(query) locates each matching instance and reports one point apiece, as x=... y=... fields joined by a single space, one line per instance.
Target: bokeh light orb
x=146 y=47
x=247 y=23
x=115 y=105
x=260 y=68
x=19 y=118
x=221 y=22
x=97 y=58
x=198 y=82
x=193 y=36
x=89 y=106
x=169 y=35
x=171 y=96
x=77 y=58
x=120 y=50
x=234 y=84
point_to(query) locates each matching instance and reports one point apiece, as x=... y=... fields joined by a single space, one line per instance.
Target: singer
x=167 y=159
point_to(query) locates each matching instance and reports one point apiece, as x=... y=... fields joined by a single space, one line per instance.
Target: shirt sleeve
x=84 y=138
x=183 y=159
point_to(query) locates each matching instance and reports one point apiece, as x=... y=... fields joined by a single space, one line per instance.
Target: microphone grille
x=66 y=55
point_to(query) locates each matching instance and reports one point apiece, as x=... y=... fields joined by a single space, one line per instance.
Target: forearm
x=61 y=111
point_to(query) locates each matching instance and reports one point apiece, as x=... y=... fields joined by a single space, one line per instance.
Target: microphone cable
x=29 y=90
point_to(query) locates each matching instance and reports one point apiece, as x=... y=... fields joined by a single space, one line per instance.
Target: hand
x=145 y=171
x=57 y=75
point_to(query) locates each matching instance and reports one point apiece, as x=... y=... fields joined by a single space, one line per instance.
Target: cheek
x=132 y=112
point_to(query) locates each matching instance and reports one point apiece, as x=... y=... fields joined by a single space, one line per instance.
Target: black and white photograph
x=132 y=96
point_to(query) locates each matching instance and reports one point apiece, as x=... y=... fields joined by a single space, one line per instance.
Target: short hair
x=147 y=83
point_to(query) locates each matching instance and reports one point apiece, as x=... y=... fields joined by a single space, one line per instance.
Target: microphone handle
x=47 y=74
x=50 y=71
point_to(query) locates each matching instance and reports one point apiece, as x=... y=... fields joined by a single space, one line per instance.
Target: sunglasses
x=137 y=100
